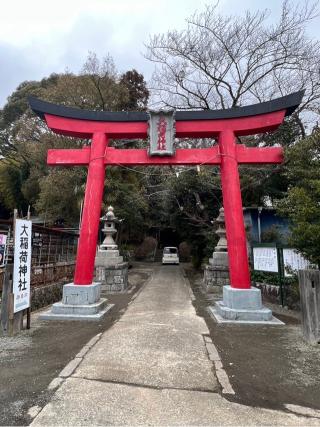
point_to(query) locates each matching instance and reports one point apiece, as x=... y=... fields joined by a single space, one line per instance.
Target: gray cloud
x=69 y=51
x=122 y=35
x=15 y=67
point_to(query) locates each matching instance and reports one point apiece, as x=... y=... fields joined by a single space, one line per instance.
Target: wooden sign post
x=16 y=286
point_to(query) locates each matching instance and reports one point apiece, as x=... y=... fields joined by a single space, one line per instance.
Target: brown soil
x=30 y=360
x=268 y=366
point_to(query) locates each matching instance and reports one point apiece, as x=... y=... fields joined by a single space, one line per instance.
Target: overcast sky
x=38 y=38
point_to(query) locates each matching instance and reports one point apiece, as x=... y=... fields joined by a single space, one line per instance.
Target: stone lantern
x=110 y=268
x=220 y=254
x=216 y=273
x=109 y=229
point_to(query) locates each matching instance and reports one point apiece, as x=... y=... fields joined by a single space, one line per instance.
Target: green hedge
x=272 y=278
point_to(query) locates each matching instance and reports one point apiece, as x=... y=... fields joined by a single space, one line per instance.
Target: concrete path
x=152 y=368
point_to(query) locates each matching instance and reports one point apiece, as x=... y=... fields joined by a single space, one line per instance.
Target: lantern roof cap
x=109 y=215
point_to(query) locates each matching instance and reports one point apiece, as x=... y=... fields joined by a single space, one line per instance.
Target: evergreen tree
x=302 y=203
x=25 y=178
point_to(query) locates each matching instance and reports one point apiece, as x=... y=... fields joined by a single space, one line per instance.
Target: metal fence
x=53 y=253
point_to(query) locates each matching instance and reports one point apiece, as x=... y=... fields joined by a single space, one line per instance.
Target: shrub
x=184 y=251
x=271 y=278
x=146 y=249
x=196 y=261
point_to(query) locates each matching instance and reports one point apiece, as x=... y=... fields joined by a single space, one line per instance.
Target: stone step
x=85 y=309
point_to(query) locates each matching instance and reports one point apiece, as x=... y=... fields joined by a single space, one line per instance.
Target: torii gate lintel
x=225 y=125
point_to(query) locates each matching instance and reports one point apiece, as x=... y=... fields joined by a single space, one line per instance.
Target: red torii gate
x=225 y=125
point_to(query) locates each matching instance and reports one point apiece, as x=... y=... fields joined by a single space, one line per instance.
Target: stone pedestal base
x=79 y=302
x=113 y=278
x=104 y=258
x=215 y=278
x=242 y=306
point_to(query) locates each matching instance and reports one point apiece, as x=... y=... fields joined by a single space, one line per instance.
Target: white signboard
x=294 y=261
x=22 y=265
x=265 y=259
x=3 y=244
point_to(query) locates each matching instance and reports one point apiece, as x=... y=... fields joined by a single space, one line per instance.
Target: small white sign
x=3 y=244
x=294 y=261
x=22 y=264
x=265 y=259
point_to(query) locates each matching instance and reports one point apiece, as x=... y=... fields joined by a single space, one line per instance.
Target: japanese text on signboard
x=265 y=259
x=161 y=133
x=22 y=265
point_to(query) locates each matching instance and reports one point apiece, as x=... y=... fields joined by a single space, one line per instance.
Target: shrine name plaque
x=161 y=133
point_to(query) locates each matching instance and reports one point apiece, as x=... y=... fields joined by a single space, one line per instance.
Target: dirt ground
x=30 y=360
x=270 y=366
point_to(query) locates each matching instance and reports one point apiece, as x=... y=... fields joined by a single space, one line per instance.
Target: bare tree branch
x=223 y=62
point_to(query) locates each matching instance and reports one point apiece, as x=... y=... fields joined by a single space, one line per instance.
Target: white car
x=170 y=255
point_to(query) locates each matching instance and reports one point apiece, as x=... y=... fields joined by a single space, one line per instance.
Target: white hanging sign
x=22 y=264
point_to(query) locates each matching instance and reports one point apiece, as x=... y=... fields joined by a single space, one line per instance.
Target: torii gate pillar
x=91 y=211
x=240 y=302
x=232 y=203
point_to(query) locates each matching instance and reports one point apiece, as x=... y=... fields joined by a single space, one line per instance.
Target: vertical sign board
x=265 y=259
x=22 y=264
x=161 y=133
x=3 y=243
